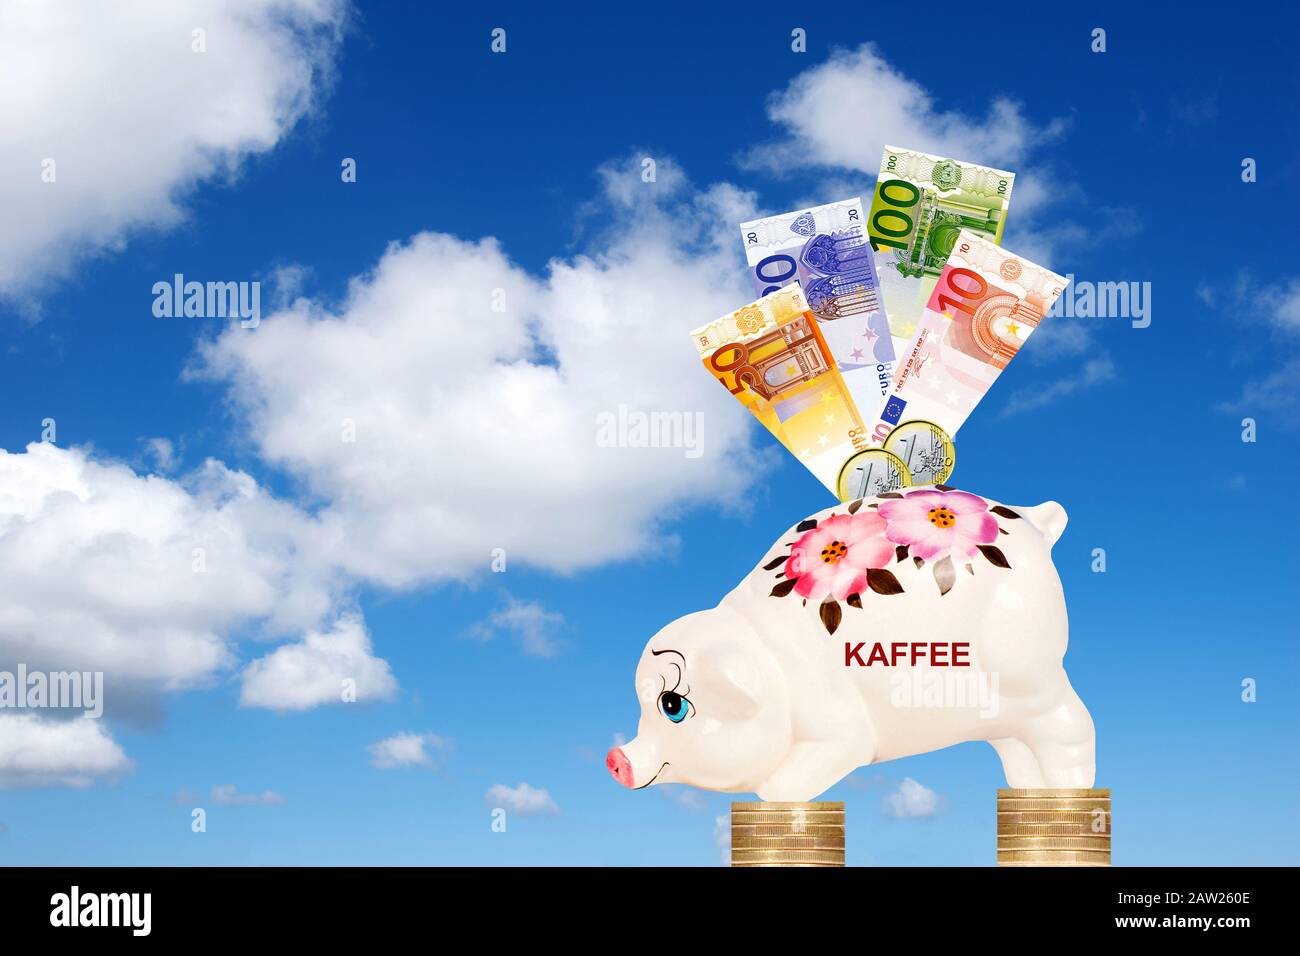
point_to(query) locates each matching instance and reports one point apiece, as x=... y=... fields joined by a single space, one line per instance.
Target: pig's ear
x=731 y=684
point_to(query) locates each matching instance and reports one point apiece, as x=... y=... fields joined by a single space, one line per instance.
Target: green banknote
x=920 y=205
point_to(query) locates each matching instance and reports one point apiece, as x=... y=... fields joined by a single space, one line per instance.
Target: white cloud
x=531 y=624
x=912 y=800
x=37 y=752
x=1277 y=391
x=162 y=453
x=1274 y=303
x=1252 y=301
x=311 y=672
x=1279 y=305
x=722 y=837
x=1058 y=337
x=524 y=800
x=226 y=795
x=133 y=118
x=146 y=578
x=842 y=113
x=476 y=429
x=149 y=580
x=479 y=435
x=630 y=190
x=407 y=750
x=1095 y=371
x=286 y=282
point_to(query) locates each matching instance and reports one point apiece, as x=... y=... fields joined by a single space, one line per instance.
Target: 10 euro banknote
x=985 y=304
x=825 y=250
x=920 y=204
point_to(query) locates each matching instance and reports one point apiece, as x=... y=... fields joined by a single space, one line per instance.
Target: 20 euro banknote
x=771 y=355
x=986 y=303
x=825 y=250
x=920 y=204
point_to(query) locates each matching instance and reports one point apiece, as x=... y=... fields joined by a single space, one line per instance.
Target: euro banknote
x=771 y=355
x=920 y=204
x=825 y=250
x=985 y=304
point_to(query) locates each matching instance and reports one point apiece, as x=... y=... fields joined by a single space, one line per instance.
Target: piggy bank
x=876 y=629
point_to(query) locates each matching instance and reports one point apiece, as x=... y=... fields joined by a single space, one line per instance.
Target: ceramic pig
x=886 y=627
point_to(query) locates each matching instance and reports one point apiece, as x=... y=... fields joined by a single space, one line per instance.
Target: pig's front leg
x=812 y=767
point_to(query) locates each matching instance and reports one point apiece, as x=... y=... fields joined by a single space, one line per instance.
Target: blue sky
x=1130 y=170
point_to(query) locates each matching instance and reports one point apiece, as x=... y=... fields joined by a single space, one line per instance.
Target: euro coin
x=1084 y=818
x=1047 y=829
x=1040 y=793
x=925 y=449
x=870 y=472
x=1042 y=863
x=773 y=805
x=817 y=830
x=787 y=843
x=1053 y=842
x=788 y=856
x=787 y=819
x=1053 y=856
x=1080 y=805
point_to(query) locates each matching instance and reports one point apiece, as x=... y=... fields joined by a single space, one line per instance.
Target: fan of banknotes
x=875 y=336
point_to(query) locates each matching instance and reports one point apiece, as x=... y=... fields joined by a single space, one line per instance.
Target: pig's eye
x=674 y=706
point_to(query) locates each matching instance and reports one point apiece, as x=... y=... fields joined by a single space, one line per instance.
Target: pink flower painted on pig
x=939 y=524
x=833 y=558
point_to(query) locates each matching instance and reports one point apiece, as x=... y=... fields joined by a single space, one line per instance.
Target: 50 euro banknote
x=920 y=205
x=986 y=303
x=825 y=250
x=771 y=355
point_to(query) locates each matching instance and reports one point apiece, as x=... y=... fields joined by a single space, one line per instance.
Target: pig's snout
x=619 y=766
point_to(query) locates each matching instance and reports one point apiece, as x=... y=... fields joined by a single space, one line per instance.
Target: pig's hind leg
x=1018 y=763
x=1062 y=742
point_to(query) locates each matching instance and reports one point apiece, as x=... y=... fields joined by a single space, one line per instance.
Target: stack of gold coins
x=787 y=834
x=1054 y=827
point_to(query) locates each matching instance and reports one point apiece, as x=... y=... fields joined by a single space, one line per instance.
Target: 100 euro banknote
x=985 y=304
x=825 y=250
x=772 y=357
x=920 y=204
